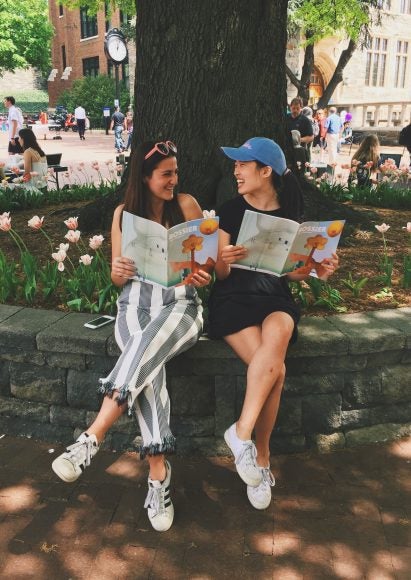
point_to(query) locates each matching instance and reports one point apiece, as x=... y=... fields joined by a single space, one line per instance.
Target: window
x=405 y=6
x=88 y=24
x=63 y=57
x=376 y=62
x=90 y=66
x=400 y=64
x=61 y=13
x=384 y=5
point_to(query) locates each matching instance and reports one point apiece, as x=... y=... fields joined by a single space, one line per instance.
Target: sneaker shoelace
x=155 y=499
x=76 y=451
x=267 y=481
x=248 y=453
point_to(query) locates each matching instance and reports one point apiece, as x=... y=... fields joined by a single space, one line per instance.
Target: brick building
x=78 y=48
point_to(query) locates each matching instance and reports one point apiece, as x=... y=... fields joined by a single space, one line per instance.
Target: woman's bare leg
x=109 y=412
x=157 y=467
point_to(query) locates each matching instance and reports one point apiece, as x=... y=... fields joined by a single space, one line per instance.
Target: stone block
x=20 y=330
x=126 y=424
x=363 y=388
x=225 y=403
x=82 y=390
x=396 y=383
x=287 y=444
x=314 y=366
x=19 y=355
x=322 y=413
x=4 y=378
x=7 y=311
x=240 y=389
x=41 y=384
x=181 y=365
x=100 y=364
x=318 y=337
x=11 y=407
x=66 y=361
x=18 y=427
x=206 y=446
x=192 y=426
x=192 y=395
x=122 y=441
x=311 y=384
x=112 y=347
x=377 y=434
x=328 y=443
x=68 y=416
x=386 y=358
x=69 y=335
x=289 y=420
x=356 y=418
x=399 y=318
x=367 y=333
x=406 y=357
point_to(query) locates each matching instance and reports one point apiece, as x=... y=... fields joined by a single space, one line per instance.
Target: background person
x=15 y=123
x=333 y=126
x=366 y=160
x=299 y=122
x=35 y=160
x=129 y=127
x=80 y=116
x=254 y=312
x=117 y=124
x=152 y=326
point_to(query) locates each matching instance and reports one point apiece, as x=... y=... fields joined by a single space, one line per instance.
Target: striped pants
x=153 y=325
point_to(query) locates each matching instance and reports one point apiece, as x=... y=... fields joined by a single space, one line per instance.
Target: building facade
x=78 y=48
x=376 y=85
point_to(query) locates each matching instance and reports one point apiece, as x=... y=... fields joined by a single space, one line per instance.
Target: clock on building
x=115 y=46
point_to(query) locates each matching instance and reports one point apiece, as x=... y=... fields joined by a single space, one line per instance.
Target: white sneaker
x=245 y=455
x=260 y=495
x=160 y=509
x=71 y=464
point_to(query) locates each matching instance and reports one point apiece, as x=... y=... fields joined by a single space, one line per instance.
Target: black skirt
x=245 y=299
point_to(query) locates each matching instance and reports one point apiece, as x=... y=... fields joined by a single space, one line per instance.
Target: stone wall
x=348 y=382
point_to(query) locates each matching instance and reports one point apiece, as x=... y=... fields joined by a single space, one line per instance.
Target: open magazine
x=169 y=257
x=278 y=245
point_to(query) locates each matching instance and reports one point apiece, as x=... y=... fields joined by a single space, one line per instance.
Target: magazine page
x=169 y=257
x=314 y=242
x=145 y=242
x=192 y=246
x=268 y=240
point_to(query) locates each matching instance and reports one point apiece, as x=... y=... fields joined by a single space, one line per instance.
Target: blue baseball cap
x=260 y=149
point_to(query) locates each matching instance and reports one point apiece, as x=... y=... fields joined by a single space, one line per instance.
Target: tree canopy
x=25 y=34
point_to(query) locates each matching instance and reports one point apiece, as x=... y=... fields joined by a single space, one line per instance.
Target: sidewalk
x=345 y=516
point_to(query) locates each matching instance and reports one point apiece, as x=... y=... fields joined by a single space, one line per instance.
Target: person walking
x=15 y=123
x=80 y=116
x=333 y=126
x=153 y=325
x=118 y=124
x=255 y=312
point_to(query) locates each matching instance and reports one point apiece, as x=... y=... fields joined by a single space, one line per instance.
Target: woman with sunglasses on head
x=255 y=312
x=153 y=325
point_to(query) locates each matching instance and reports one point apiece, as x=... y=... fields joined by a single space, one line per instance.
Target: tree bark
x=338 y=74
x=308 y=67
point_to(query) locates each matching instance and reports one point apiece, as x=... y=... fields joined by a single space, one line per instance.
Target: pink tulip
x=95 y=242
x=86 y=259
x=72 y=223
x=313 y=169
x=408 y=227
x=59 y=256
x=36 y=222
x=73 y=236
x=63 y=247
x=382 y=228
x=5 y=222
x=60 y=266
x=15 y=170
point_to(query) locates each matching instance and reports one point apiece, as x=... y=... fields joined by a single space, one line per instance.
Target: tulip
x=36 y=222
x=72 y=223
x=59 y=256
x=5 y=222
x=73 y=236
x=86 y=259
x=63 y=247
x=60 y=267
x=407 y=227
x=95 y=242
x=382 y=228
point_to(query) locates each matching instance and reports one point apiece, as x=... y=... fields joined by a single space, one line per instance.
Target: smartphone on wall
x=99 y=322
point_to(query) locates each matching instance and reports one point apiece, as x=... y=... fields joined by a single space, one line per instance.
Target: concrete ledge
x=348 y=382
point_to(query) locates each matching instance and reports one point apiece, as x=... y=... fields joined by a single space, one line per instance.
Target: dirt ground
x=360 y=256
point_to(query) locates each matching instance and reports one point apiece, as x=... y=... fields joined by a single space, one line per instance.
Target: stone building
x=376 y=85
x=78 y=47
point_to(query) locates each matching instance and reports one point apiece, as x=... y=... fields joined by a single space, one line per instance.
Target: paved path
x=345 y=516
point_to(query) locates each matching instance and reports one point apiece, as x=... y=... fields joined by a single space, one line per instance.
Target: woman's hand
x=329 y=266
x=26 y=177
x=231 y=254
x=123 y=268
x=200 y=279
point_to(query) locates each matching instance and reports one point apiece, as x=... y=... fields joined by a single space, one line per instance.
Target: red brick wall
x=67 y=32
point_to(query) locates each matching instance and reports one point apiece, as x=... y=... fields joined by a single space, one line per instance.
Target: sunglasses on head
x=163 y=147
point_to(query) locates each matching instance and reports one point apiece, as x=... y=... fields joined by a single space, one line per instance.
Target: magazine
x=169 y=257
x=278 y=245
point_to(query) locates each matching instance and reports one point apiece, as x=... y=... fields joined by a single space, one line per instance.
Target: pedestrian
x=15 y=123
x=152 y=326
x=255 y=312
x=365 y=161
x=129 y=126
x=345 y=137
x=117 y=123
x=308 y=112
x=299 y=122
x=333 y=126
x=35 y=160
x=80 y=116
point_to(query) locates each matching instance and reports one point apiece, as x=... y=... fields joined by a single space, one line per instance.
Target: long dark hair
x=369 y=150
x=290 y=195
x=30 y=141
x=136 y=194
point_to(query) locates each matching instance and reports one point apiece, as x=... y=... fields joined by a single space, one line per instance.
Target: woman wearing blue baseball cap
x=255 y=312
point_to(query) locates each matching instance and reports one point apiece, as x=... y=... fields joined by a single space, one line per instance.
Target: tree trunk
x=308 y=67
x=210 y=74
x=338 y=74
